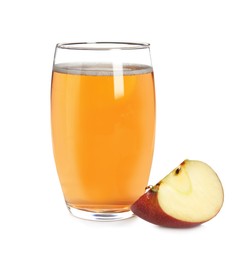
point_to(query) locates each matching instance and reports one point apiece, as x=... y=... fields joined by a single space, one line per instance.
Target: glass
x=103 y=126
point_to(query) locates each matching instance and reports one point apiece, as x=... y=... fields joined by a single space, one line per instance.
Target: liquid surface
x=103 y=122
x=102 y=69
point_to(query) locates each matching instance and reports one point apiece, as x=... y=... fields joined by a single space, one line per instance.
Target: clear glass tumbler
x=103 y=126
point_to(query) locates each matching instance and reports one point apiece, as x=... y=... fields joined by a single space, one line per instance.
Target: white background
x=199 y=58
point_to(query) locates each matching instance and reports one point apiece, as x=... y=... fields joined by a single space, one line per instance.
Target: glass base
x=99 y=216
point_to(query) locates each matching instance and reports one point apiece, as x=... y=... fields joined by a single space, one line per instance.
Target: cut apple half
x=189 y=195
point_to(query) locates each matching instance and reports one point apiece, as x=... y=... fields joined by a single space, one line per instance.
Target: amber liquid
x=103 y=125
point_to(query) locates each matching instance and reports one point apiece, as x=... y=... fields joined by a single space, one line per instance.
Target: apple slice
x=189 y=195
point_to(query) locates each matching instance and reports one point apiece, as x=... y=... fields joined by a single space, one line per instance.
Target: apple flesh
x=189 y=195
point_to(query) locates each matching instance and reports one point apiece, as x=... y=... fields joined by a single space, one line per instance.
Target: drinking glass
x=103 y=126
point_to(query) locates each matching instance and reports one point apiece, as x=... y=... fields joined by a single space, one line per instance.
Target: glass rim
x=98 y=46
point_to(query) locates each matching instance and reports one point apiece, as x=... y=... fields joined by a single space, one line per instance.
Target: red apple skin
x=147 y=208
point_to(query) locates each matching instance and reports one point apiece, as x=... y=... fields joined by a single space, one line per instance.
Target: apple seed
x=178 y=170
